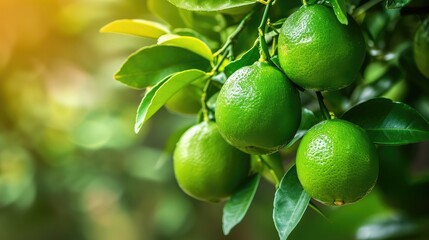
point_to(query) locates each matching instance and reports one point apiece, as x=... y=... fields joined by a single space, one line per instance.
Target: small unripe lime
x=336 y=162
x=258 y=109
x=319 y=53
x=206 y=167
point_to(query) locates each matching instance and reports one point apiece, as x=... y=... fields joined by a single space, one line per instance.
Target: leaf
x=136 y=27
x=290 y=203
x=247 y=59
x=210 y=5
x=340 y=10
x=190 y=43
x=308 y=119
x=192 y=33
x=207 y=23
x=236 y=207
x=167 y=12
x=149 y=65
x=388 y=122
x=157 y=96
x=396 y=3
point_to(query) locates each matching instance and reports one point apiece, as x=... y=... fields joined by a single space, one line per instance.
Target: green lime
x=336 y=162
x=206 y=167
x=421 y=48
x=258 y=109
x=319 y=53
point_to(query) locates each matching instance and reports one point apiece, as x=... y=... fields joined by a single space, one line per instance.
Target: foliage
x=214 y=49
x=71 y=166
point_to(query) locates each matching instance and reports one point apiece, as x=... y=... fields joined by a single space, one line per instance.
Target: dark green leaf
x=290 y=203
x=247 y=59
x=340 y=10
x=236 y=207
x=388 y=122
x=396 y=3
x=308 y=119
x=210 y=5
x=149 y=65
x=376 y=23
x=157 y=96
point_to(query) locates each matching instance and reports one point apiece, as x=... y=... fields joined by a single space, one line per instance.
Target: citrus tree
x=333 y=82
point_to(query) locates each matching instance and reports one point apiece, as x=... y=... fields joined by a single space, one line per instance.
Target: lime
x=206 y=167
x=319 y=53
x=258 y=109
x=336 y=162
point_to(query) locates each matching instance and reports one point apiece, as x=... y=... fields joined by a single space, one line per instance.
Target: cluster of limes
x=258 y=111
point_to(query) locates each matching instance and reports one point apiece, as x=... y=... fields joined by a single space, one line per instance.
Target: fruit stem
x=323 y=108
x=205 y=108
x=275 y=171
x=304 y=2
x=364 y=7
x=265 y=54
x=231 y=38
x=218 y=64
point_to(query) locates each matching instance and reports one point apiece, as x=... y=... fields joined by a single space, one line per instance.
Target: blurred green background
x=71 y=166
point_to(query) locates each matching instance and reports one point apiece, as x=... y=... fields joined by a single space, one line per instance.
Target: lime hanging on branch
x=319 y=53
x=258 y=110
x=337 y=163
x=206 y=167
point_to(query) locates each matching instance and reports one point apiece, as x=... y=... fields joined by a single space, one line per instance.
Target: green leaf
x=167 y=12
x=388 y=122
x=190 y=43
x=396 y=3
x=236 y=207
x=192 y=33
x=149 y=65
x=308 y=119
x=340 y=10
x=207 y=23
x=210 y=5
x=247 y=59
x=290 y=203
x=136 y=27
x=157 y=96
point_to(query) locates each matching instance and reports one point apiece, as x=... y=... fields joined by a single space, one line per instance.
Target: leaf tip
x=137 y=128
x=226 y=230
x=104 y=29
